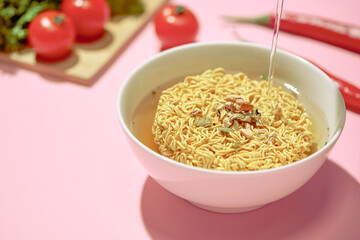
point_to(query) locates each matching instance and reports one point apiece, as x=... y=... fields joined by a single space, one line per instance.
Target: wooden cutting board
x=90 y=60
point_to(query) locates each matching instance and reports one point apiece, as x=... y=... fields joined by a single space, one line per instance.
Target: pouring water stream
x=279 y=9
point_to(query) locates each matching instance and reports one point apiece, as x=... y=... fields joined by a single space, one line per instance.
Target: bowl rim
x=126 y=81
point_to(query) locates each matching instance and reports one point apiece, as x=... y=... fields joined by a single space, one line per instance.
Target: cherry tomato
x=175 y=25
x=89 y=17
x=52 y=35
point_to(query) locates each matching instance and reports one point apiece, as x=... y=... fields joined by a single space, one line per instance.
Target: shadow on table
x=327 y=207
x=8 y=68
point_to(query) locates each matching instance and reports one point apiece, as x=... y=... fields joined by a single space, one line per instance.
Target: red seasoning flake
x=245 y=107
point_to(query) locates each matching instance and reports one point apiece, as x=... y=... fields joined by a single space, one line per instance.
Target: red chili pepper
x=350 y=93
x=339 y=34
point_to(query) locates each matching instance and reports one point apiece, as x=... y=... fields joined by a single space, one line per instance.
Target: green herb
x=264 y=77
x=15 y=17
x=153 y=92
x=326 y=143
x=236 y=144
x=224 y=129
x=328 y=129
x=203 y=121
x=217 y=111
x=241 y=115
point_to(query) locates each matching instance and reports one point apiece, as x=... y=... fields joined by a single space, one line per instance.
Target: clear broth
x=144 y=115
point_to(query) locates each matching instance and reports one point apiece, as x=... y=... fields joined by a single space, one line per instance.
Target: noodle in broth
x=198 y=122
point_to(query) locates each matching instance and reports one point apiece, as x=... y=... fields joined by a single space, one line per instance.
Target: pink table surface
x=66 y=170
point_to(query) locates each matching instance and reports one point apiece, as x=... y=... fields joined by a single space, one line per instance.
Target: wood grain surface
x=89 y=60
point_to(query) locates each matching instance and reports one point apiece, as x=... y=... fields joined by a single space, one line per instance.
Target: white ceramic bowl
x=230 y=191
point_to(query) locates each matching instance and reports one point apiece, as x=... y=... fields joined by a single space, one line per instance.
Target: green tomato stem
x=59 y=19
x=179 y=10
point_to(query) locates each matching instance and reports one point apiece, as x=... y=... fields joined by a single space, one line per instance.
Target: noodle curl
x=205 y=122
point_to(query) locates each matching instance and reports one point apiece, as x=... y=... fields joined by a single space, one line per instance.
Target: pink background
x=66 y=170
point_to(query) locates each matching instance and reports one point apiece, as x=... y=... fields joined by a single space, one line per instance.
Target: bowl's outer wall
x=229 y=190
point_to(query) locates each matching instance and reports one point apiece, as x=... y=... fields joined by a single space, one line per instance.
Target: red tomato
x=175 y=25
x=52 y=35
x=89 y=17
